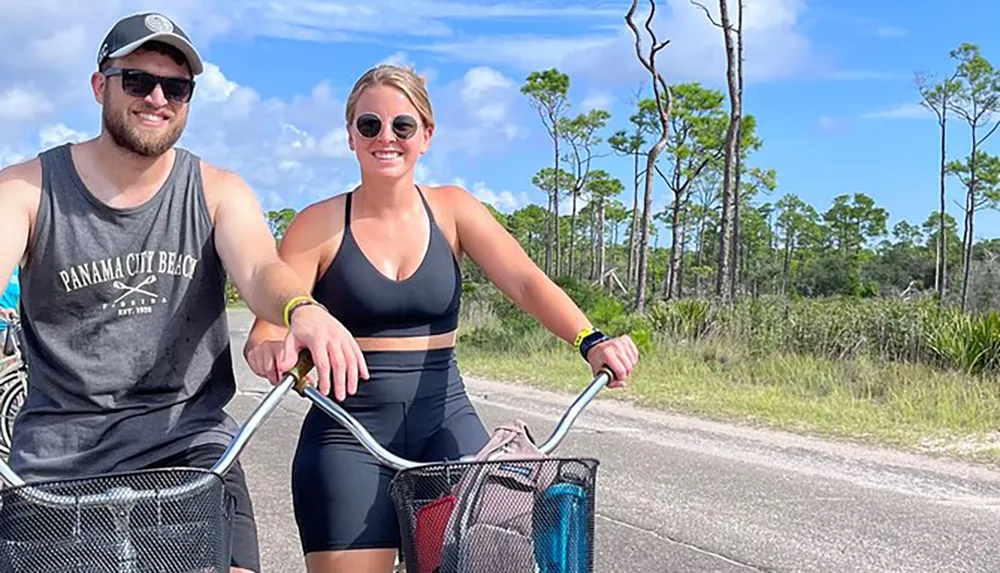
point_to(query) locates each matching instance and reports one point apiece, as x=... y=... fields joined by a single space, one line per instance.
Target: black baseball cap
x=129 y=33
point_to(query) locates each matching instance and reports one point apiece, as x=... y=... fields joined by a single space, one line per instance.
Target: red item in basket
x=431 y=521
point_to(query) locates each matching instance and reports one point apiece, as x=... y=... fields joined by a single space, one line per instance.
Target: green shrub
x=837 y=327
x=967 y=342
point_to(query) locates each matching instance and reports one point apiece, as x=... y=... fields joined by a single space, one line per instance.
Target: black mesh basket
x=155 y=521
x=504 y=516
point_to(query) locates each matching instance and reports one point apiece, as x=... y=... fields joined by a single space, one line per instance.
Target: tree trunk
x=941 y=277
x=600 y=241
x=647 y=218
x=593 y=249
x=633 y=243
x=737 y=189
x=572 y=234
x=700 y=256
x=970 y=209
x=555 y=202
x=685 y=233
x=723 y=273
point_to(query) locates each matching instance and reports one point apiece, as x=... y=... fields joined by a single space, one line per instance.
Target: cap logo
x=158 y=23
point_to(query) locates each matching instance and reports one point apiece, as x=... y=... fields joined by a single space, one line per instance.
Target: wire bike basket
x=171 y=520
x=502 y=513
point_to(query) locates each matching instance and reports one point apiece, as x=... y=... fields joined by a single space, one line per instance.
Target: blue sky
x=831 y=83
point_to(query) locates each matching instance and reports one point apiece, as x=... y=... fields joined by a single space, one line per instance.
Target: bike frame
x=384 y=456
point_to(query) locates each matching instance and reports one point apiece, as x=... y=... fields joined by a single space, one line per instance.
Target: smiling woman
x=384 y=259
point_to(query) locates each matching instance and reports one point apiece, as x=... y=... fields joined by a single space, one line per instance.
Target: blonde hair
x=403 y=79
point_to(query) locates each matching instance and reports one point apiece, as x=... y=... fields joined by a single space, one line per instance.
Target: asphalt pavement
x=678 y=494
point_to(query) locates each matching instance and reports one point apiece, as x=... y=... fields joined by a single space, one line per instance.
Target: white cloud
x=901 y=111
x=483 y=92
x=21 y=104
x=9 y=157
x=58 y=134
x=213 y=85
x=503 y=201
x=597 y=100
x=889 y=31
x=475 y=114
x=904 y=111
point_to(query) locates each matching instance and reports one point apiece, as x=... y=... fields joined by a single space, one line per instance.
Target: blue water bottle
x=561 y=529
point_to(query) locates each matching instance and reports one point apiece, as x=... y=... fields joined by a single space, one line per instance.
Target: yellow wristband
x=580 y=336
x=290 y=304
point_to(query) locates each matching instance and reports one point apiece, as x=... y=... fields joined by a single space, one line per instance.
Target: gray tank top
x=125 y=330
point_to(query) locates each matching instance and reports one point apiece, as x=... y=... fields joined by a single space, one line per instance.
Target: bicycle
x=540 y=517
x=172 y=520
x=13 y=383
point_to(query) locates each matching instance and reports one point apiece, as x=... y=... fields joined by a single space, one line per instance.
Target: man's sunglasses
x=138 y=83
x=369 y=125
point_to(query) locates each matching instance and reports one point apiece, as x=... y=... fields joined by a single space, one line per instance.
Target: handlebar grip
x=301 y=370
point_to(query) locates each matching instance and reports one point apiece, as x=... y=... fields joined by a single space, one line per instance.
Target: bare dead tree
x=728 y=247
x=664 y=106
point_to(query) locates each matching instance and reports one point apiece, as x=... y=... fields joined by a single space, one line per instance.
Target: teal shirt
x=12 y=295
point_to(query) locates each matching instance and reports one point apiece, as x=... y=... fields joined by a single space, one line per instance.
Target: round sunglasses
x=369 y=125
x=138 y=83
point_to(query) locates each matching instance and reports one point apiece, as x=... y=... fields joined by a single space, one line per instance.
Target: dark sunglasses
x=138 y=83
x=369 y=125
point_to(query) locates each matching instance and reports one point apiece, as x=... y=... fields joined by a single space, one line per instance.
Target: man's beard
x=127 y=137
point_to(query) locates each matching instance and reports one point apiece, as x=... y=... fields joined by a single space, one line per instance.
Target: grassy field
x=908 y=406
x=900 y=380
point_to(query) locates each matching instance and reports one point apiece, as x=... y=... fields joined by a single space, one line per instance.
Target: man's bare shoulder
x=220 y=185
x=22 y=177
x=221 y=179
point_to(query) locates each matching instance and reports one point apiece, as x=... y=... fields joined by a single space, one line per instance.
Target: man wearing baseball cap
x=125 y=244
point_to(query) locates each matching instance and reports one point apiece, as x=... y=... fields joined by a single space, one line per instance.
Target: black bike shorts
x=339 y=490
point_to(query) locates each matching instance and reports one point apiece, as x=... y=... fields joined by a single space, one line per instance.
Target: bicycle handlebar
x=295 y=378
x=308 y=390
x=221 y=467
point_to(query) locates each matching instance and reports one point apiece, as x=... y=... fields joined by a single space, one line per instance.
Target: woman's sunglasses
x=138 y=83
x=369 y=125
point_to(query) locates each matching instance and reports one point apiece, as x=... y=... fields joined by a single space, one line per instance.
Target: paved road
x=682 y=495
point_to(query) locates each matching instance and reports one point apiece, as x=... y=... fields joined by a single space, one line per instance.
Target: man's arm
x=20 y=189
x=267 y=283
x=248 y=251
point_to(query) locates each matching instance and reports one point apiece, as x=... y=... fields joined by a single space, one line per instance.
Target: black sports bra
x=371 y=304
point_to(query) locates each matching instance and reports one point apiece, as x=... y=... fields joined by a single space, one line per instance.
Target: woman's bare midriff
x=431 y=342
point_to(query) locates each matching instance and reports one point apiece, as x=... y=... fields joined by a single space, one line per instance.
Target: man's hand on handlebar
x=620 y=355
x=334 y=351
